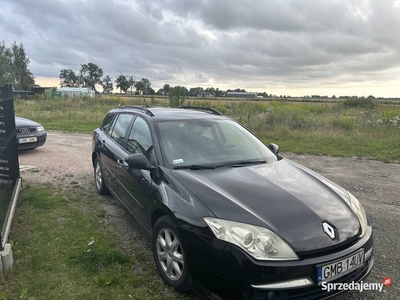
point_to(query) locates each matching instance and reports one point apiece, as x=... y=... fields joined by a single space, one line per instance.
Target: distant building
x=25 y=94
x=22 y=94
x=206 y=94
x=76 y=92
x=241 y=95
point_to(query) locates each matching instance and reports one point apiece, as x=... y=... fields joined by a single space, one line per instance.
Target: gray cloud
x=255 y=44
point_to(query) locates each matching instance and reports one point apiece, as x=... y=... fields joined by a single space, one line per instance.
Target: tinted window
x=139 y=140
x=120 y=128
x=107 y=124
x=213 y=142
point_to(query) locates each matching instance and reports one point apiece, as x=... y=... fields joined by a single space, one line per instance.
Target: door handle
x=122 y=163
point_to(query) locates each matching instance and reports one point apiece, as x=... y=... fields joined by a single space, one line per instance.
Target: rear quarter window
x=107 y=124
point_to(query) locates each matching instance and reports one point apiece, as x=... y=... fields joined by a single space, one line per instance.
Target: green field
x=331 y=128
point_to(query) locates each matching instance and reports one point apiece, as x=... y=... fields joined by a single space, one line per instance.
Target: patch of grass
x=77 y=115
x=62 y=251
x=6 y=191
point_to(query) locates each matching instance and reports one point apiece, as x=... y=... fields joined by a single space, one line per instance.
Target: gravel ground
x=67 y=157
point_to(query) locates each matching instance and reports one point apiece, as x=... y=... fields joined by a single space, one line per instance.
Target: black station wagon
x=229 y=217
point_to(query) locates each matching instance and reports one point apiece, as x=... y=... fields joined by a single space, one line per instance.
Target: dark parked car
x=229 y=217
x=30 y=134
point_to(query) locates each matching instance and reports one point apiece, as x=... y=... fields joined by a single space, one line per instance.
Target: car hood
x=283 y=196
x=22 y=122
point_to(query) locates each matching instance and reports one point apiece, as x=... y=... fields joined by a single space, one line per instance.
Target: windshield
x=210 y=142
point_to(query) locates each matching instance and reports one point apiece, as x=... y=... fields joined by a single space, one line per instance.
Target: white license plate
x=341 y=267
x=27 y=140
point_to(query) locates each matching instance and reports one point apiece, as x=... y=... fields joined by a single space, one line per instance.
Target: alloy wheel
x=170 y=254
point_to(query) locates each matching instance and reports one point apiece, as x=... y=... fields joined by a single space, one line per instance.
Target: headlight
x=40 y=128
x=360 y=213
x=259 y=242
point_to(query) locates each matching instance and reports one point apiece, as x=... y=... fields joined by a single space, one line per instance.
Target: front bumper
x=41 y=139
x=223 y=271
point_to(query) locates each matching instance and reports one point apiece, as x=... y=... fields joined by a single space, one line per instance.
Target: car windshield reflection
x=209 y=142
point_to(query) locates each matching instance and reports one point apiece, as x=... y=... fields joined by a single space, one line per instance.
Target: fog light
x=271 y=295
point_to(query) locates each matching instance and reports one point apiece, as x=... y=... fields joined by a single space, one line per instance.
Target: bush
x=368 y=103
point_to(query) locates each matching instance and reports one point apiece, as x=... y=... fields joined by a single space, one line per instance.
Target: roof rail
x=207 y=109
x=145 y=109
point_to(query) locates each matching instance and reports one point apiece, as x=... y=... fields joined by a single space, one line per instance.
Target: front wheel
x=98 y=178
x=170 y=256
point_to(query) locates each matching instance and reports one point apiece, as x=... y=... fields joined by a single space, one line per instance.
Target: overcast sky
x=296 y=48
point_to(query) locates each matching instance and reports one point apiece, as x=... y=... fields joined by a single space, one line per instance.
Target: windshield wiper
x=194 y=167
x=242 y=163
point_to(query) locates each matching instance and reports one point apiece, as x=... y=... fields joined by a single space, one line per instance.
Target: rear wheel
x=98 y=178
x=170 y=256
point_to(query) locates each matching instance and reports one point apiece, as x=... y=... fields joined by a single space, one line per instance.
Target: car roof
x=168 y=114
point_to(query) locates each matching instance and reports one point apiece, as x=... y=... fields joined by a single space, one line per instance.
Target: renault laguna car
x=229 y=217
x=30 y=134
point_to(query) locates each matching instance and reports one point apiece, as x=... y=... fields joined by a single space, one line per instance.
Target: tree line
x=91 y=74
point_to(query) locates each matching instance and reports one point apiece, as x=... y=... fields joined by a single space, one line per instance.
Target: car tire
x=170 y=255
x=98 y=178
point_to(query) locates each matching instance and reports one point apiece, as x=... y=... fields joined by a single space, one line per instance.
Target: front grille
x=26 y=130
x=313 y=292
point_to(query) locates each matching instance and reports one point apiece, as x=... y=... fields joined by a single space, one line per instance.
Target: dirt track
x=67 y=157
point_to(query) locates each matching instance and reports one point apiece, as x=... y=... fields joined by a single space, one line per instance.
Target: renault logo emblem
x=329 y=230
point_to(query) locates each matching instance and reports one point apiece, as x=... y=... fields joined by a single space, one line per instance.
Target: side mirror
x=138 y=161
x=274 y=148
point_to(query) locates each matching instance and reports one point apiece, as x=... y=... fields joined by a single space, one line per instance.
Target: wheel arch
x=158 y=213
x=94 y=156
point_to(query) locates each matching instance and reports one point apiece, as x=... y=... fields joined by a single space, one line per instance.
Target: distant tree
x=122 y=83
x=151 y=91
x=107 y=84
x=210 y=90
x=140 y=86
x=177 y=96
x=91 y=75
x=194 y=92
x=14 y=67
x=5 y=76
x=132 y=82
x=147 y=85
x=143 y=85
x=219 y=93
x=68 y=78
x=160 y=92
x=166 y=89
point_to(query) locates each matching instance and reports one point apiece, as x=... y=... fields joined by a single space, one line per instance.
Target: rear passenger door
x=112 y=153
x=138 y=185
